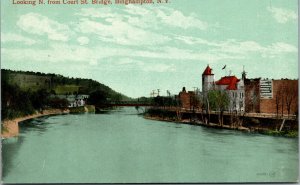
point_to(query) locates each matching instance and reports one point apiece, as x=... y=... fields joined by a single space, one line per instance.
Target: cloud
x=12 y=37
x=77 y=54
x=157 y=67
x=120 y=32
x=83 y=40
x=282 y=15
x=135 y=25
x=199 y=50
x=41 y=25
x=173 y=53
x=129 y=61
x=176 y=18
x=93 y=62
x=281 y=47
x=167 y=17
x=96 y=12
x=240 y=48
x=133 y=64
x=141 y=17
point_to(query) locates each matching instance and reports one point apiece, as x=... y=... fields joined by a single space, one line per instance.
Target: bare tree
x=291 y=91
x=254 y=101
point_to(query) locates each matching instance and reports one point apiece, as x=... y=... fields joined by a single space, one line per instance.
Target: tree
x=195 y=101
x=219 y=101
x=98 y=98
x=206 y=107
x=15 y=102
x=254 y=99
x=291 y=91
x=39 y=99
x=278 y=99
x=58 y=103
x=117 y=97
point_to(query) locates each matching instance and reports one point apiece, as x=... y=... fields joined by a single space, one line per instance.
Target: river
x=121 y=147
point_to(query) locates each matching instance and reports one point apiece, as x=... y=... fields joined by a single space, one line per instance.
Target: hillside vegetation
x=25 y=92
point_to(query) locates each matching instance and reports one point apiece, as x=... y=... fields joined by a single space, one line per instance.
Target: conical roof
x=207 y=71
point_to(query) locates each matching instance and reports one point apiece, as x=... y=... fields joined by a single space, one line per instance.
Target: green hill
x=57 y=84
x=23 y=93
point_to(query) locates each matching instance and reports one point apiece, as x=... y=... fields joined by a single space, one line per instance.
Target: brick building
x=285 y=96
x=186 y=99
x=276 y=96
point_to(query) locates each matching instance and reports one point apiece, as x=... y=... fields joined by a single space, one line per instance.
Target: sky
x=135 y=49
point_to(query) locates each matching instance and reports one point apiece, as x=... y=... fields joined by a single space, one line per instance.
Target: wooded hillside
x=24 y=92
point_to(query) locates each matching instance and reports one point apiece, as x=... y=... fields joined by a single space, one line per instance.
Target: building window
x=241 y=95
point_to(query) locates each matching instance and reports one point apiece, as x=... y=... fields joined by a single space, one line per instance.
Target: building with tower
x=208 y=80
x=233 y=86
x=254 y=95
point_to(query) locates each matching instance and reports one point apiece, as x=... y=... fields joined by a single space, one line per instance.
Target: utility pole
x=158 y=90
x=153 y=93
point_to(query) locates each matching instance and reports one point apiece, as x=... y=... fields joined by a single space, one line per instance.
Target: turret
x=207 y=80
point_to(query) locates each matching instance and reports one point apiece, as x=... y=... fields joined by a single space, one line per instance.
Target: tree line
x=18 y=102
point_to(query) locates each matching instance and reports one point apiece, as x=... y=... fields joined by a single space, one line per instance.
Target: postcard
x=149 y=91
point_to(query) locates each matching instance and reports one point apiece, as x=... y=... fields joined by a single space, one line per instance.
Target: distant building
x=187 y=99
x=271 y=96
x=233 y=86
x=248 y=95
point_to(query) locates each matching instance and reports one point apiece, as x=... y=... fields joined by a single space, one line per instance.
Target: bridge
x=129 y=103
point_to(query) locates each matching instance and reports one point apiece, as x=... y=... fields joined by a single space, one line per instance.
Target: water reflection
x=10 y=148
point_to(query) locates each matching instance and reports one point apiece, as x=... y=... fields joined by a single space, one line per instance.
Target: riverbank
x=291 y=134
x=83 y=109
x=187 y=121
x=10 y=128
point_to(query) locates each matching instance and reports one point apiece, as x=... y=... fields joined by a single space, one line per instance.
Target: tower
x=207 y=80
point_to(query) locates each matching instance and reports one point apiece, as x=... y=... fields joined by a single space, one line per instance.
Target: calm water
x=123 y=147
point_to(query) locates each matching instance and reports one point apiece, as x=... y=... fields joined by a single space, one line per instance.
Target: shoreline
x=216 y=126
x=11 y=127
x=211 y=125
